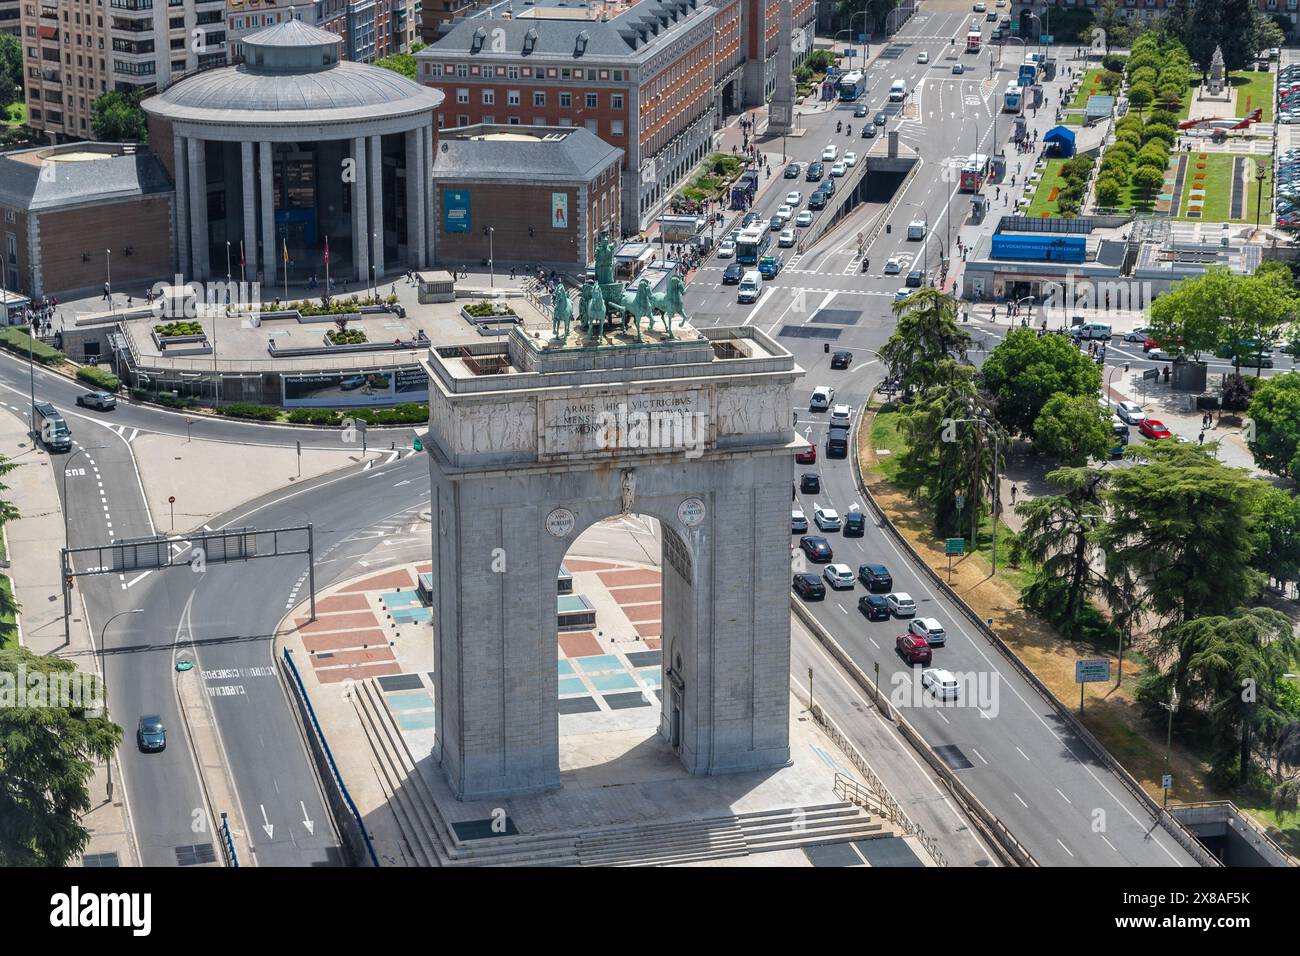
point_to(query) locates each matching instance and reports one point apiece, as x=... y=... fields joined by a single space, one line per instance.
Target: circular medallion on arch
x=691 y=512
x=561 y=522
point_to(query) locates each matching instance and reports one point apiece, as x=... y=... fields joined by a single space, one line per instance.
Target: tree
x=1182 y=529
x=1275 y=415
x=1059 y=535
x=403 y=63
x=1220 y=307
x=117 y=117
x=47 y=757
x=1277 y=534
x=1229 y=666
x=949 y=466
x=1073 y=430
x=925 y=340
x=1027 y=369
x=1140 y=96
x=1254 y=307
x=1148 y=179
x=11 y=64
x=1109 y=191
x=1267 y=33
x=1202 y=33
x=1236 y=33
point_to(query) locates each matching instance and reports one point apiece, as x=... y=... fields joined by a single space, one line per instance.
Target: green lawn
x=1043 y=201
x=885 y=437
x=15 y=113
x=8 y=632
x=1218 y=188
x=1254 y=91
x=1264 y=814
x=1089 y=86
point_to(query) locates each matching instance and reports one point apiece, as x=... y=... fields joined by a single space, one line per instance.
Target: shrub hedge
x=99 y=378
x=262 y=413
x=14 y=338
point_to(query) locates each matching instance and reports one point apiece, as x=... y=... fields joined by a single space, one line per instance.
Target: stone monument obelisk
x=780 y=111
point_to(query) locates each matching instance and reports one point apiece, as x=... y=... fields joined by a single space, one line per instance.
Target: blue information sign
x=455 y=211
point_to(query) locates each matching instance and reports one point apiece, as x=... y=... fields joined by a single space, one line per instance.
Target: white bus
x=1013 y=100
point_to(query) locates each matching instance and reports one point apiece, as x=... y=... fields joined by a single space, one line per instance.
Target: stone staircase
x=429 y=841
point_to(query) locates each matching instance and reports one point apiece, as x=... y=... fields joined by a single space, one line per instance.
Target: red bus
x=973 y=172
x=973 y=41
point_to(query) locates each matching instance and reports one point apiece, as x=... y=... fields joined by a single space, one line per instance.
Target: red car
x=807 y=456
x=913 y=648
x=1149 y=343
x=1152 y=428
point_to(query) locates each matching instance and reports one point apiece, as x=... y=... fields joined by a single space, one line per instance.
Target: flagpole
x=327 y=267
x=286 y=269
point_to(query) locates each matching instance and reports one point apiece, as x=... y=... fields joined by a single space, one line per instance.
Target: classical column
x=430 y=254
x=270 y=255
x=377 y=203
x=360 y=220
x=415 y=173
x=250 y=211
x=198 y=177
x=181 y=165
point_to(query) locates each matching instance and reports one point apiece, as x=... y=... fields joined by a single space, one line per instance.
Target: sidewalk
x=34 y=543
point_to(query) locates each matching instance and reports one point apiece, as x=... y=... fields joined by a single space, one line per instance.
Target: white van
x=1091 y=330
x=916 y=229
x=751 y=286
x=897 y=91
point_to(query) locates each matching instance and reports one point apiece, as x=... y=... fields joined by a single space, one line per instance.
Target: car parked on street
x=1154 y=429
x=1130 y=413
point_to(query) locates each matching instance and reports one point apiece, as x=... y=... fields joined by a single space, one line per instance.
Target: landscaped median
x=1111 y=714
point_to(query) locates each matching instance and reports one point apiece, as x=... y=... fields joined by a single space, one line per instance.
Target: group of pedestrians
x=40 y=315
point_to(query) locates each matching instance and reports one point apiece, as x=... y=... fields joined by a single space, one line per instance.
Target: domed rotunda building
x=294 y=147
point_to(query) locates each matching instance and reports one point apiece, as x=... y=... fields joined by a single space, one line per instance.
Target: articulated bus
x=973 y=172
x=852 y=85
x=753 y=243
x=973 y=40
x=1013 y=100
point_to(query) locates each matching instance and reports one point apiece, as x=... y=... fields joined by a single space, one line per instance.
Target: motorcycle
x=839 y=127
x=866 y=263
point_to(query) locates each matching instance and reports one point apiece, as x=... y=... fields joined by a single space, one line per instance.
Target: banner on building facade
x=455 y=210
x=559 y=210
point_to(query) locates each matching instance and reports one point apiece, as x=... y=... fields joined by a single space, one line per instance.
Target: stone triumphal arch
x=533 y=439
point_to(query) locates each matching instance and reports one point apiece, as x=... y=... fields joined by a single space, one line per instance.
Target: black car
x=841 y=359
x=792 y=171
x=818 y=200
x=150 y=736
x=855 y=524
x=880 y=118
x=817 y=548
x=731 y=275
x=874 y=606
x=828 y=187
x=860 y=110
x=810 y=483
x=915 y=278
x=809 y=586
x=876 y=577
x=815 y=172
x=749 y=220
x=868 y=132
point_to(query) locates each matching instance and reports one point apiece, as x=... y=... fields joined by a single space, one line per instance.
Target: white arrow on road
x=400 y=483
x=266 y=824
x=307 y=820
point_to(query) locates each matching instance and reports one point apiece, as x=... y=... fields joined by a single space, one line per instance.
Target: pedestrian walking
x=1200 y=439
x=1013 y=496
x=106 y=297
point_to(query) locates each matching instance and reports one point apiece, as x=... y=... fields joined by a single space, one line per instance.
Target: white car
x=902 y=294
x=939 y=682
x=821 y=398
x=841 y=414
x=784 y=212
x=978 y=8
x=804 y=218
x=1160 y=355
x=798 y=521
x=830 y=153
x=786 y=239
x=958 y=69
x=839 y=169
x=850 y=159
x=1000 y=3
x=901 y=603
x=726 y=249
x=828 y=519
x=1130 y=413
x=893 y=267
x=794 y=199
x=930 y=629
x=838 y=576
x=923 y=57
x=1137 y=335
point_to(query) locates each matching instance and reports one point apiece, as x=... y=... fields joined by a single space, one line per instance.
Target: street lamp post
x=108 y=278
x=1111 y=377
x=103 y=654
x=491 y=257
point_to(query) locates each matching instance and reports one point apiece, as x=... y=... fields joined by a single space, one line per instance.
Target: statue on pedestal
x=1216 y=72
x=561 y=311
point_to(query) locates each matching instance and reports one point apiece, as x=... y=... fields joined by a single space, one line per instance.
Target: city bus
x=1013 y=100
x=753 y=243
x=973 y=172
x=852 y=85
x=973 y=40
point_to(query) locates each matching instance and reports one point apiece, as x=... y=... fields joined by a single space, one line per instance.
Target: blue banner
x=455 y=211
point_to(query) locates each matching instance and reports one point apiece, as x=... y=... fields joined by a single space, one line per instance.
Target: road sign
x=1151 y=373
x=171 y=499
x=1046 y=38
x=1167 y=781
x=1091 y=672
x=954 y=546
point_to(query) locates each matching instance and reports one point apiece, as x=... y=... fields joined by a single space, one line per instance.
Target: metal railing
x=228 y=843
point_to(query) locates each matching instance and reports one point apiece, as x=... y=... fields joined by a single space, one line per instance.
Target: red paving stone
x=371 y=656
x=385 y=582
x=643 y=612
x=360 y=672
x=629 y=576
x=424 y=569
x=579 y=644
x=343 y=602
x=337 y=640
x=653 y=643
x=334 y=622
x=649 y=629
x=636 y=595
x=578 y=564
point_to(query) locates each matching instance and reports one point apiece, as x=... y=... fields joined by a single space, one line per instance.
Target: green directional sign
x=954 y=546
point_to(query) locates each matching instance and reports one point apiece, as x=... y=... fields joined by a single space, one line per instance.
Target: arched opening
x=624 y=615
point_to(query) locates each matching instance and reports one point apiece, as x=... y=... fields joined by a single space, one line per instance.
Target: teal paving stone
x=420 y=721
x=410 y=700
x=599 y=663
x=565 y=667
x=650 y=676
x=604 y=682
x=572 y=685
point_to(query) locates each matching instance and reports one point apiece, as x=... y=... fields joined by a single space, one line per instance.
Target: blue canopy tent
x=1059 y=142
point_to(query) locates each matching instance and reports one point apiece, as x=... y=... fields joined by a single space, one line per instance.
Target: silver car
x=1130 y=413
